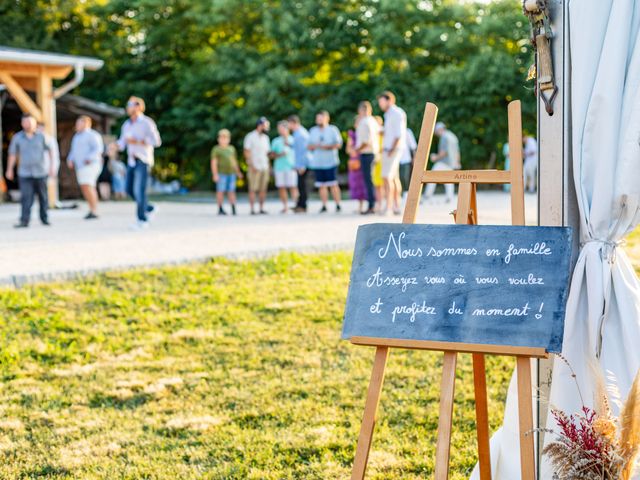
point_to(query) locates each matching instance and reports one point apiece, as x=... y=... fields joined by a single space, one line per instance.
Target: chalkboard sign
x=497 y=285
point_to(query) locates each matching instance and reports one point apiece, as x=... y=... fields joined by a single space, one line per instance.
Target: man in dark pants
x=368 y=146
x=30 y=147
x=300 y=140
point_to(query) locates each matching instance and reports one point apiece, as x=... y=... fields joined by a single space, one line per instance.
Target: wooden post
x=525 y=414
x=482 y=415
x=525 y=408
x=420 y=163
x=447 y=390
x=370 y=413
x=44 y=97
x=515 y=153
x=21 y=97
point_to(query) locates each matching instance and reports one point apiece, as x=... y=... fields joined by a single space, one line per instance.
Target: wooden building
x=39 y=83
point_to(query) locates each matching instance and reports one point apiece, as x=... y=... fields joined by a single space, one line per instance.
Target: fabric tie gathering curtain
x=602 y=325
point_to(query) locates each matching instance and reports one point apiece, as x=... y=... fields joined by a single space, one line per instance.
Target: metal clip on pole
x=541 y=35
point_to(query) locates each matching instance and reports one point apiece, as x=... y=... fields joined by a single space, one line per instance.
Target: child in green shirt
x=225 y=170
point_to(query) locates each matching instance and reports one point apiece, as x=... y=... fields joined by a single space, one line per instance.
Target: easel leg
x=525 y=414
x=482 y=416
x=447 y=390
x=369 y=417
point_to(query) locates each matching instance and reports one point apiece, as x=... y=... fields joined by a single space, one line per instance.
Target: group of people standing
x=376 y=149
x=34 y=153
x=294 y=152
x=379 y=168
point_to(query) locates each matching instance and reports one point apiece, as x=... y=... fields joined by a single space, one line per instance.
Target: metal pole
x=557 y=204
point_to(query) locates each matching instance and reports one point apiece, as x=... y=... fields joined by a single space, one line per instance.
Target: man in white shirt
x=139 y=136
x=368 y=146
x=395 y=134
x=85 y=157
x=256 y=147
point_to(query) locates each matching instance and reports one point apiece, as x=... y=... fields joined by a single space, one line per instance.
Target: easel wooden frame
x=466 y=214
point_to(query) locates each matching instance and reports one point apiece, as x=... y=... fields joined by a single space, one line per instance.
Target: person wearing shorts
x=85 y=157
x=284 y=164
x=394 y=138
x=225 y=171
x=324 y=142
x=256 y=147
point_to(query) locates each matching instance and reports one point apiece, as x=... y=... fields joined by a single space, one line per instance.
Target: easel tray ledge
x=515 y=351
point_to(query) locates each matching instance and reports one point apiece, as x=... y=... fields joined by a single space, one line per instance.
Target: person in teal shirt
x=284 y=165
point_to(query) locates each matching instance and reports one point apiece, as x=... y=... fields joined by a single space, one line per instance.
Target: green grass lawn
x=223 y=370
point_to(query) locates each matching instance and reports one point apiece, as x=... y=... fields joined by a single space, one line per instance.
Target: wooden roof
x=23 y=62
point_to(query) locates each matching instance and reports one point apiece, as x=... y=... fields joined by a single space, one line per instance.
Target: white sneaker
x=151 y=215
x=139 y=225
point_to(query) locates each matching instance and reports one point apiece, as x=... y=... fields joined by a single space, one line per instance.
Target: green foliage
x=203 y=65
x=229 y=370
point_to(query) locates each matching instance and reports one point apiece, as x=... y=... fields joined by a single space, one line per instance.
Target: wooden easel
x=465 y=214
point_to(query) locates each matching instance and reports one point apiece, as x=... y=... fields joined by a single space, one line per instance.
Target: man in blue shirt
x=324 y=142
x=300 y=141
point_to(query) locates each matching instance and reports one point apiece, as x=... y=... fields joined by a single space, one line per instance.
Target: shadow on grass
x=101 y=400
x=45 y=471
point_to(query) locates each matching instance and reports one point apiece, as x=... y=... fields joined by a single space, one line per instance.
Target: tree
x=204 y=65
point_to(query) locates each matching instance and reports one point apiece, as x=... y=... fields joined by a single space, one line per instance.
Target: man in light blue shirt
x=85 y=157
x=302 y=156
x=324 y=142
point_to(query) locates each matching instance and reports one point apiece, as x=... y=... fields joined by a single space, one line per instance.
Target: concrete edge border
x=19 y=281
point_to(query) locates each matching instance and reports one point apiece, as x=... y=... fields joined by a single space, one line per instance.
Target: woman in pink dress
x=357 y=187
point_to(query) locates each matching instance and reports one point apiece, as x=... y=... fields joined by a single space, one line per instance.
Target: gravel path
x=184 y=232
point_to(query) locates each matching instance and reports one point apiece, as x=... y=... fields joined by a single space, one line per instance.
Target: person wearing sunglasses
x=139 y=136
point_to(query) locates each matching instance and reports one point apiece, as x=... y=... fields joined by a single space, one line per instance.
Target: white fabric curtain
x=602 y=323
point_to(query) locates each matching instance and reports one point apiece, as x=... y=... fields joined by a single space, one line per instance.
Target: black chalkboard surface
x=497 y=285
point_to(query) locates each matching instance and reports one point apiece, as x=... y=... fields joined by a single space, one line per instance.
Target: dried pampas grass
x=595 y=444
